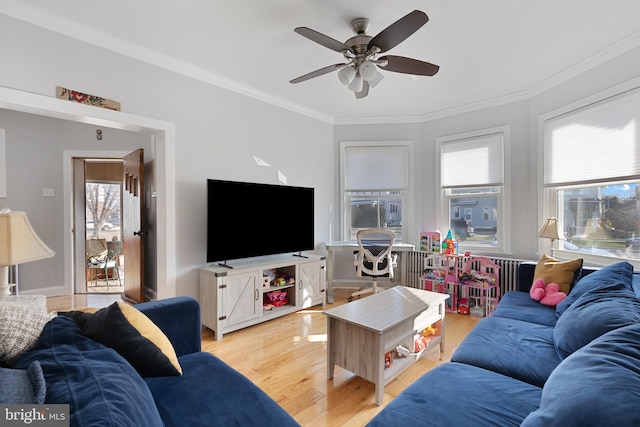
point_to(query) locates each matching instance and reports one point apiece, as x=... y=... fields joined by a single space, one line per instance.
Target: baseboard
x=52 y=291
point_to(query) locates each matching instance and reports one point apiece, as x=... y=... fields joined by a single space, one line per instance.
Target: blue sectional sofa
x=577 y=364
x=102 y=388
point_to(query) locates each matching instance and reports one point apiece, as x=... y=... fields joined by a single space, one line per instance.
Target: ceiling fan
x=361 y=53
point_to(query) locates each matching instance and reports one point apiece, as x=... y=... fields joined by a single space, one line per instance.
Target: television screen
x=248 y=219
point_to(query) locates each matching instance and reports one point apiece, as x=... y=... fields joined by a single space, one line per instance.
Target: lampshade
x=346 y=75
x=19 y=243
x=368 y=70
x=356 y=85
x=550 y=229
x=377 y=78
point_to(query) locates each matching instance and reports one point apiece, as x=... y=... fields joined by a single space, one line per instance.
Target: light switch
x=48 y=192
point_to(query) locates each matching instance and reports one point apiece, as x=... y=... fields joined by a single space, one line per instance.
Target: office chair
x=374 y=258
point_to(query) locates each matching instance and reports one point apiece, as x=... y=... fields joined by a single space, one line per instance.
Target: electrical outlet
x=48 y=192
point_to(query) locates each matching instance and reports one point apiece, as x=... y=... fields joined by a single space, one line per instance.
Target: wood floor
x=286 y=358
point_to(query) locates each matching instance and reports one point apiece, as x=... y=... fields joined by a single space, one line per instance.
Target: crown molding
x=84 y=33
x=61 y=25
x=630 y=42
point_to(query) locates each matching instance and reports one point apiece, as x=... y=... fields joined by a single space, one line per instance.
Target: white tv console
x=232 y=298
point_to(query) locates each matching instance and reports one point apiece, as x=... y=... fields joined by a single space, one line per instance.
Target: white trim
x=408 y=203
x=38 y=17
x=164 y=134
x=504 y=204
x=3 y=165
x=68 y=202
x=85 y=33
x=546 y=197
x=618 y=48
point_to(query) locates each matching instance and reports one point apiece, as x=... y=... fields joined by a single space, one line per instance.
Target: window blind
x=476 y=161
x=599 y=142
x=376 y=168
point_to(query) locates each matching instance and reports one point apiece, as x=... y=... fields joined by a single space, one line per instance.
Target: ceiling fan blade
x=320 y=38
x=316 y=73
x=397 y=32
x=365 y=90
x=400 y=64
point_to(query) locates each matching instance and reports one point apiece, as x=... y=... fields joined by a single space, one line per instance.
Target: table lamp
x=550 y=230
x=19 y=243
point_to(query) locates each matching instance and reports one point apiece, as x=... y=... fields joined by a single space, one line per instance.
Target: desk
x=333 y=247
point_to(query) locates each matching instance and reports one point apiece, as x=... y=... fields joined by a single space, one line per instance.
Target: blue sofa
x=577 y=364
x=102 y=388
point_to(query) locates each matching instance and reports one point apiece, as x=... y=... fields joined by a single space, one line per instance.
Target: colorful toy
x=449 y=246
x=547 y=294
x=277 y=298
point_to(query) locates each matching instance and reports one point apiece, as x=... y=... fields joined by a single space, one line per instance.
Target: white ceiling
x=489 y=51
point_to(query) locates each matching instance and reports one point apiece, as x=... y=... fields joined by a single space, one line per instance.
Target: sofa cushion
x=133 y=335
x=614 y=276
x=22 y=318
x=211 y=393
x=455 y=394
x=519 y=306
x=19 y=386
x=507 y=346
x=596 y=312
x=564 y=273
x=100 y=386
x=598 y=385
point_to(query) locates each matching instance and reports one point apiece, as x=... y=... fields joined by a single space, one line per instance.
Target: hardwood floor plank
x=286 y=357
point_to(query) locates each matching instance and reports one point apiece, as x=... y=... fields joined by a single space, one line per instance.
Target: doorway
x=99 y=254
x=163 y=140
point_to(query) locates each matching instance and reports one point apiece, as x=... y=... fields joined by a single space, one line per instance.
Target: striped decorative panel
x=507 y=278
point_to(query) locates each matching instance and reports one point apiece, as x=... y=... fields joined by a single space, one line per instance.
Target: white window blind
x=376 y=168
x=599 y=142
x=474 y=162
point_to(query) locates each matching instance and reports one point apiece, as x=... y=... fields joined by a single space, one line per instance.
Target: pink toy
x=547 y=294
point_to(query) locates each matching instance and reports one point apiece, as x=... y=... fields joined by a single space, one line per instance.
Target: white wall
x=217 y=131
x=522 y=117
x=34 y=150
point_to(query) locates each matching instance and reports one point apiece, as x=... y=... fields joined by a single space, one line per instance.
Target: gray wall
x=217 y=131
x=523 y=119
x=34 y=152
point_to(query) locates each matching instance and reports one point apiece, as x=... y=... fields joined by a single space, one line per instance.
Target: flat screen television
x=248 y=219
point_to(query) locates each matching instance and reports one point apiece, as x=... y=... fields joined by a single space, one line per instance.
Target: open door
x=133 y=230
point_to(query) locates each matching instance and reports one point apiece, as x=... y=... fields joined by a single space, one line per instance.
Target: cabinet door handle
x=257 y=294
x=300 y=285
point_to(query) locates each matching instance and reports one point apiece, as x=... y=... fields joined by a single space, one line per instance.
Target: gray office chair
x=374 y=258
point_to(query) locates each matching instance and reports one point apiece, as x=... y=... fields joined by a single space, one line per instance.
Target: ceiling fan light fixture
x=368 y=70
x=377 y=78
x=346 y=75
x=356 y=85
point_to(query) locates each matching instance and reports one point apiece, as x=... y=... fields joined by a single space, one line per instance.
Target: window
x=472 y=183
x=591 y=175
x=375 y=186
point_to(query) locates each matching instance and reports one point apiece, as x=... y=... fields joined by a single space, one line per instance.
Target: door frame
x=163 y=149
x=68 y=163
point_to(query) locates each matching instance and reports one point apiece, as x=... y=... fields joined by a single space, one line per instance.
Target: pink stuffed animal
x=547 y=294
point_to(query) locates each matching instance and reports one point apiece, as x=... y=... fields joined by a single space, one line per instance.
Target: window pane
x=376 y=210
x=102 y=210
x=601 y=220
x=479 y=225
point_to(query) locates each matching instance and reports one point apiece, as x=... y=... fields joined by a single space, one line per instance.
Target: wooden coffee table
x=360 y=333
